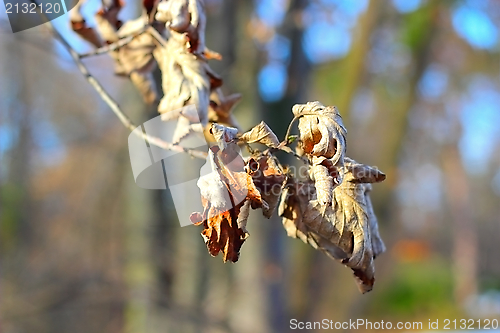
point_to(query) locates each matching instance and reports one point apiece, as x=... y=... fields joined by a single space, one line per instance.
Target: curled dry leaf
x=243 y=217
x=293 y=205
x=185 y=79
x=221 y=107
x=322 y=131
x=223 y=134
x=261 y=134
x=186 y=18
x=269 y=178
x=186 y=76
x=107 y=21
x=326 y=177
x=107 y=30
x=136 y=56
x=110 y=11
x=323 y=182
x=134 y=59
x=322 y=139
x=347 y=230
x=226 y=198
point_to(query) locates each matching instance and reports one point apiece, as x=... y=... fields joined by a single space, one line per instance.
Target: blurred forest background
x=83 y=249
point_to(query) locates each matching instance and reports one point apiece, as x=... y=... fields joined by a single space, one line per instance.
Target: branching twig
x=106 y=97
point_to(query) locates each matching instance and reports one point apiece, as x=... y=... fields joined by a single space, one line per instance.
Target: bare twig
x=106 y=97
x=157 y=36
x=116 y=45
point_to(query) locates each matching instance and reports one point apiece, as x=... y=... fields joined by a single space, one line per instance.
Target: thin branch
x=114 y=46
x=157 y=36
x=106 y=97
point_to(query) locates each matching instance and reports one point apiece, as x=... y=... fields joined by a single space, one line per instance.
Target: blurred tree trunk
x=465 y=240
x=354 y=66
x=20 y=112
x=274 y=114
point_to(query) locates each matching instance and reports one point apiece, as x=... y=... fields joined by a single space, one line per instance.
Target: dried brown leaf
x=107 y=27
x=223 y=134
x=268 y=177
x=224 y=223
x=185 y=79
x=135 y=59
x=221 y=232
x=321 y=131
x=347 y=230
x=145 y=85
x=186 y=76
x=185 y=17
x=110 y=12
x=326 y=177
x=221 y=107
x=86 y=32
x=261 y=134
x=79 y=25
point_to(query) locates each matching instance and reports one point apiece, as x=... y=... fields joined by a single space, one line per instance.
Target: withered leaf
x=186 y=18
x=221 y=232
x=321 y=130
x=110 y=11
x=86 y=32
x=294 y=201
x=223 y=134
x=107 y=22
x=145 y=84
x=185 y=79
x=79 y=25
x=221 y=107
x=107 y=31
x=347 y=230
x=326 y=177
x=243 y=218
x=261 y=134
x=268 y=177
x=186 y=76
x=135 y=59
x=224 y=224
x=137 y=56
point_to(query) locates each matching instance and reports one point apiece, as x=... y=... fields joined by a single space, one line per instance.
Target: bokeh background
x=83 y=249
